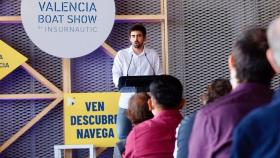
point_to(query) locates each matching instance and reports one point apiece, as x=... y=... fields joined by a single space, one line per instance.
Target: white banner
x=68 y=28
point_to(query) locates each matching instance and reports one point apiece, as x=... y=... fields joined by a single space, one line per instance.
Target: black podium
x=135 y=83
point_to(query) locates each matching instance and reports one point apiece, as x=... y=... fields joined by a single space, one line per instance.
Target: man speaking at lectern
x=137 y=60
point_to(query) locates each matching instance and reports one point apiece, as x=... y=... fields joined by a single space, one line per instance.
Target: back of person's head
x=167 y=91
x=138 y=27
x=138 y=110
x=249 y=55
x=273 y=35
x=217 y=88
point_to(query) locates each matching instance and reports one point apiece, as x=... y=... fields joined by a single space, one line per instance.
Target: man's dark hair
x=167 y=91
x=138 y=27
x=249 y=54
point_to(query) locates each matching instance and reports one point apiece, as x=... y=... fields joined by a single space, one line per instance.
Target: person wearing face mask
x=155 y=137
x=251 y=75
x=258 y=133
x=215 y=90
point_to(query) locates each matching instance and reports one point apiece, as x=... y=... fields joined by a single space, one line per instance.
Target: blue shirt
x=213 y=126
x=183 y=136
x=258 y=135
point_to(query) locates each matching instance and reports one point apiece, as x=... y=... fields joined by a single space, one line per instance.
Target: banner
x=10 y=59
x=68 y=28
x=90 y=118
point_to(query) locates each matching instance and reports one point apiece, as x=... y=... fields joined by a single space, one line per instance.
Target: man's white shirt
x=127 y=63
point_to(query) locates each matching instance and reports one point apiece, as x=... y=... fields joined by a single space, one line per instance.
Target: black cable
x=150 y=64
x=129 y=64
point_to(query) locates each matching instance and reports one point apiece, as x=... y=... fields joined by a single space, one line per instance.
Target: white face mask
x=233 y=79
x=276 y=56
x=153 y=109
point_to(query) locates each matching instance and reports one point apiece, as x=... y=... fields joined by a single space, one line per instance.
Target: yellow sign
x=90 y=118
x=10 y=59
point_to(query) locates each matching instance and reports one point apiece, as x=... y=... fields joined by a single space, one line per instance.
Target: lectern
x=136 y=84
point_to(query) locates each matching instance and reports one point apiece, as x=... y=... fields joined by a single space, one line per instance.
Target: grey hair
x=273 y=36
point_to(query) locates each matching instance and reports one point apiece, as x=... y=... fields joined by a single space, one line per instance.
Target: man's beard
x=233 y=79
x=137 y=45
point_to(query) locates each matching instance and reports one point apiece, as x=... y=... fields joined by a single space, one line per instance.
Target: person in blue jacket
x=258 y=135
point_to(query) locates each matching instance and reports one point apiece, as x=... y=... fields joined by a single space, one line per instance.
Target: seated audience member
x=155 y=138
x=137 y=112
x=215 y=89
x=251 y=75
x=138 y=109
x=258 y=134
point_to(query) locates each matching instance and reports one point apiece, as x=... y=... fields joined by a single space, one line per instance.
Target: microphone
x=129 y=64
x=150 y=64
